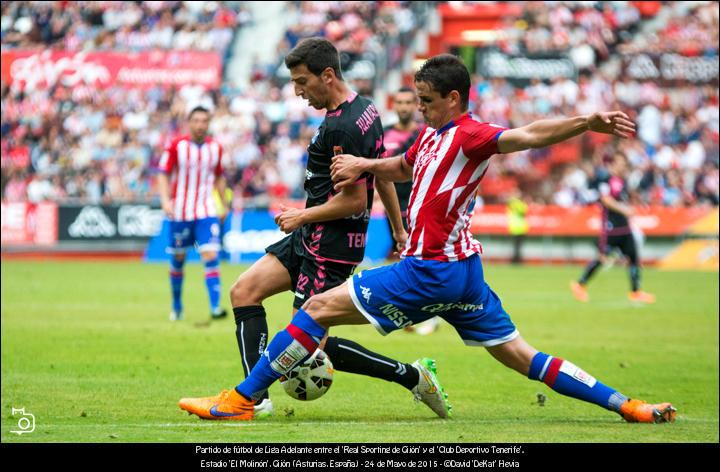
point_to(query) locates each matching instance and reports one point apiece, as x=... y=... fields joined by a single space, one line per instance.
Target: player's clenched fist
x=289 y=219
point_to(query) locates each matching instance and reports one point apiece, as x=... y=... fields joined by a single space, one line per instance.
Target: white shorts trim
x=361 y=309
x=493 y=342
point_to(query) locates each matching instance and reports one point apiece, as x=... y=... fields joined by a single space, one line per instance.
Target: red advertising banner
x=585 y=221
x=27 y=223
x=45 y=68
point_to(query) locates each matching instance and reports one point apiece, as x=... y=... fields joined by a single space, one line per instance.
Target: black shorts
x=624 y=242
x=308 y=275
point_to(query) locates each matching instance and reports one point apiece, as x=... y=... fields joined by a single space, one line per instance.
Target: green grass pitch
x=87 y=348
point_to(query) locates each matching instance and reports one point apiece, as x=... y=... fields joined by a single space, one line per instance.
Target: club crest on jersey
x=426 y=158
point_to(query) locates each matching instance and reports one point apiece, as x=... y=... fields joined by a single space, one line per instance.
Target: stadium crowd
x=121 y=26
x=674 y=161
x=101 y=145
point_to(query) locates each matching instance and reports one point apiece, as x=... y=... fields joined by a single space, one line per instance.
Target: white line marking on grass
x=379 y=422
x=244 y=424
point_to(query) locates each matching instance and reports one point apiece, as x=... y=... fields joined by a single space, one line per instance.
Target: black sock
x=251 y=332
x=635 y=277
x=349 y=356
x=589 y=271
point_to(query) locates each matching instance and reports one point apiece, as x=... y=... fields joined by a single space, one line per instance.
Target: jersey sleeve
x=168 y=160
x=481 y=141
x=411 y=154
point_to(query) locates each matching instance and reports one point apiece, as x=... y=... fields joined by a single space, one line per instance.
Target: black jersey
x=613 y=222
x=352 y=128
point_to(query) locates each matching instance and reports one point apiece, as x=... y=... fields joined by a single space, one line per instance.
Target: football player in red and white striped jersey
x=191 y=167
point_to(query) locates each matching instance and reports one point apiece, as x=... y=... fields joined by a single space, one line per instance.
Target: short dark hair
x=317 y=54
x=196 y=109
x=446 y=73
x=406 y=89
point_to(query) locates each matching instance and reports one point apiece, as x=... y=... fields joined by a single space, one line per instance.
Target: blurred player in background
x=517 y=224
x=327 y=238
x=615 y=232
x=223 y=204
x=441 y=265
x=191 y=169
x=398 y=139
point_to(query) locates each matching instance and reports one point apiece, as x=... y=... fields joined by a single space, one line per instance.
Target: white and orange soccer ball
x=311 y=379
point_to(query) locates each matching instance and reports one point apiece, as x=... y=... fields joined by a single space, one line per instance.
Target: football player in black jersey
x=327 y=238
x=615 y=232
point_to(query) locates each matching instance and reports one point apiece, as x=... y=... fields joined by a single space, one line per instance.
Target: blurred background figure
x=517 y=224
x=397 y=139
x=191 y=169
x=615 y=233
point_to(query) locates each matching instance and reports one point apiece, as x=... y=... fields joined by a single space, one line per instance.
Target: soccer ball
x=311 y=379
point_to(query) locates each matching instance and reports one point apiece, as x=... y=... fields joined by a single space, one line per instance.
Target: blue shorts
x=184 y=234
x=413 y=290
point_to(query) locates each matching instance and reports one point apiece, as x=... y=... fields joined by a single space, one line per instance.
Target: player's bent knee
x=244 y=292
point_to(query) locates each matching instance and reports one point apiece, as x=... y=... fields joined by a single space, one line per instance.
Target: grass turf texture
x=88 y=349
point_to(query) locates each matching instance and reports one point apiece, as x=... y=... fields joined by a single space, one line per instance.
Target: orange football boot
x=227 y=405
x=642 y=297
x=638 y=411
x=579 y=292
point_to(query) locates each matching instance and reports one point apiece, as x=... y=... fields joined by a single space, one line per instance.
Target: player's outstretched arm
x=543 y=133
x=345 y=168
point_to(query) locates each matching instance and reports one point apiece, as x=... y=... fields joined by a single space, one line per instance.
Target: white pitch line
x=429 y=422
x=245 y=424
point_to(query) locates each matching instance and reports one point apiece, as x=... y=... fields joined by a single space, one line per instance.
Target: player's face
x=310 y=86
x=199 y=123
x=405 y=105
x=436 y=110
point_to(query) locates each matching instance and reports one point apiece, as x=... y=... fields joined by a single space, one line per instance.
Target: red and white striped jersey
x=448 y=165
x=193 y=169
